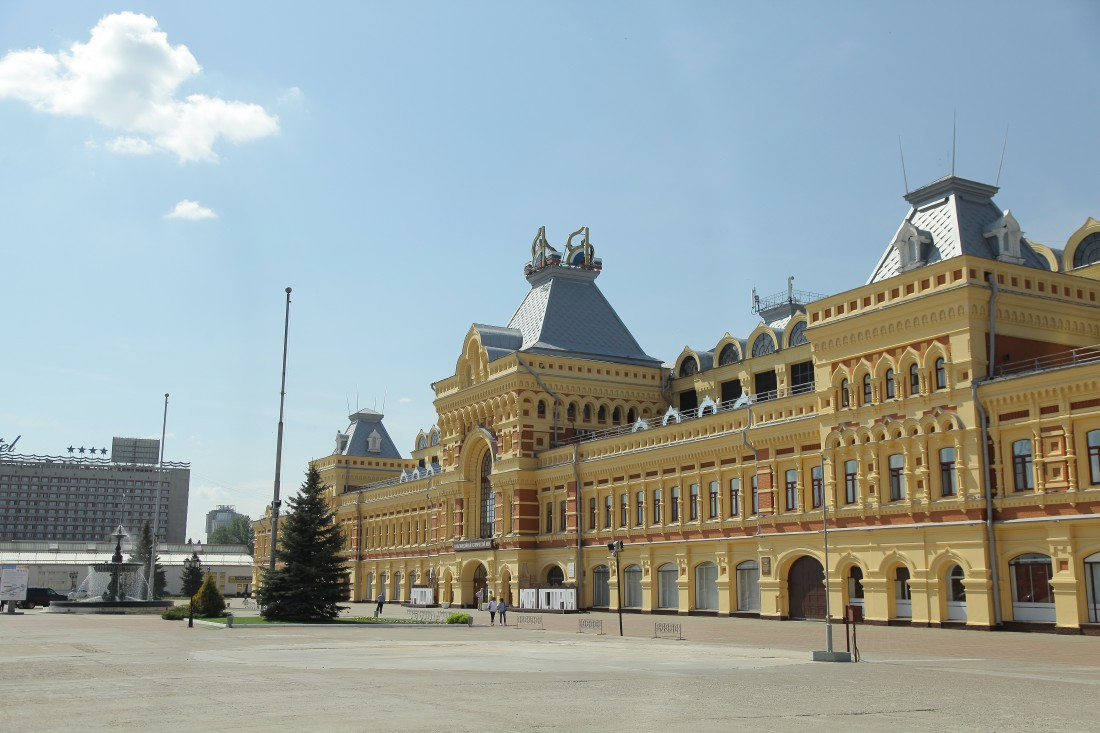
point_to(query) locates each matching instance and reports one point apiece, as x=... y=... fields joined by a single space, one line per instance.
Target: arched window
x=689 y=366
x=903 y=596
x=798 y=334
x=631 y=415
x=764 y=344
x=667 y=595
x=601 y=590
x=632 y=586
x=1023 y=472
x=1032 y=596
x=587 y=413
x=941 y=374
x=866 y=389
x=728 y=355
x=748 y=586
x=706 y=586
x=890 y=389
x=601 y=414
x=845 y=400
x=488 y=500
x=542 y=409
x=435 y=437
x=555 y=577
x=855 y=586
x=914 y=379
x=571 y=412
x=956 y=594
x=421 y=443
x=617 y=415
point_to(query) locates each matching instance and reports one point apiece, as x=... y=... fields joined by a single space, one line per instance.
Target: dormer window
x=374 y=442
x=1006 y=235
x=764 y=344
x=912 y=246
x=689 y=367
x=341 y=443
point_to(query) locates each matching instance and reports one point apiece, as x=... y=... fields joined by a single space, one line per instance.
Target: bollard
x=228 y=620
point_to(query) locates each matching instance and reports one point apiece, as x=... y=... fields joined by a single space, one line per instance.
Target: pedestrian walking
x=381 y=601
x=501 y=608
x=479 y=595
x=492 y=611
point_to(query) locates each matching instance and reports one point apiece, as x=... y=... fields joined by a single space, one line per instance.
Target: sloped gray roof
x=565 y=314
x=363 y=424
x=955 y=212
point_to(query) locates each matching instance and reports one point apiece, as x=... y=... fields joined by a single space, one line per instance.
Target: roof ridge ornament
x=581 y=255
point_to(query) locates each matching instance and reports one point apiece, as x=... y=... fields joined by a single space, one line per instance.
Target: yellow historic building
x=943 y=420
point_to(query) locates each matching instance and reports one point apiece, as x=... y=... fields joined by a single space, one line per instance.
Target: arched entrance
x=806 y=589
x=506 y=586
x=481 y=583
x=601 y=587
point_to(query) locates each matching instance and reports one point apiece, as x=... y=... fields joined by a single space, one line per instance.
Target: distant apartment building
x=82 y=497
x=223 y=516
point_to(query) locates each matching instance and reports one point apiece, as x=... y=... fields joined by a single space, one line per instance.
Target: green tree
x=192 y=579
x=209 y=601
x=237 y=532
x=311 y=581
x=142 y=550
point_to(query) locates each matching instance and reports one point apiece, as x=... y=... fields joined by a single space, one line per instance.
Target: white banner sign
x=13 y=584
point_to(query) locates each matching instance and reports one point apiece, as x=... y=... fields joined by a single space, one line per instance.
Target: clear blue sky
x=169 y=168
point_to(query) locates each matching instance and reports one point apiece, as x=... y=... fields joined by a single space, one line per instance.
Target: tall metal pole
x=619 y=587
x=825 y=538
x=152 y=578
x=275 y=504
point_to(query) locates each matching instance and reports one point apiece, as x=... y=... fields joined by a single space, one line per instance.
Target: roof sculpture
x=565 y=313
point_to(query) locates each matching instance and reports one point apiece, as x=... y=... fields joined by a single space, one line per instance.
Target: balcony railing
x=1073 y=357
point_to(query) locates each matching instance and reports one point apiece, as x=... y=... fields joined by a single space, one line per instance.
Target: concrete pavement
x=59 y=672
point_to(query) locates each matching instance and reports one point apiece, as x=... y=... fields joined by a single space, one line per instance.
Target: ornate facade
x=943 y=419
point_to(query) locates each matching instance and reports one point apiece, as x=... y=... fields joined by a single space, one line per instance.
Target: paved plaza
x=92 y=673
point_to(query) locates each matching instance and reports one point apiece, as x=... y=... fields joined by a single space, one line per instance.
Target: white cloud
x=294 y=94
x=191 y=210
x=126 y=77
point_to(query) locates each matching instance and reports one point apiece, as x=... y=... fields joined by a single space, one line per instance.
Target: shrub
x=459 y=618
x=209 y=601
x=175 y=613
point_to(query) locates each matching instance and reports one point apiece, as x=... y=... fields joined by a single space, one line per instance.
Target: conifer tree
x=209 y=601
x=142 y=550
x=192 y=578
x=312 y=580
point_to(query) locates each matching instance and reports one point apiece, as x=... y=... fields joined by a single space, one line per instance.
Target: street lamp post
x=191 y=563
x=616 y=547
x=276 y=502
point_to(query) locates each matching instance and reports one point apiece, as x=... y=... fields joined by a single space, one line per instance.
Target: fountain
x=112 y=587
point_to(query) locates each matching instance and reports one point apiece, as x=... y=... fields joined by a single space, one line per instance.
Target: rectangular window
x=735 y=497
x=1093 y=439
x=948 y=486
x=675 y=507
x=607 y=512
x=639 y=508
x=755 y=495
x=714 y=511
x=623 y=511
x=549 y=517
x=656 y=506
x=693 y=503
x=1022 y=469
x=792 y=489
x=561 y=528
x=897 y=477
x=818 y=489
x=851 y=487
x=592 y=512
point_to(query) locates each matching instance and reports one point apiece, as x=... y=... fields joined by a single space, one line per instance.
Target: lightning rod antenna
x=954 y=115
x=904 y=177
x=1001 y=164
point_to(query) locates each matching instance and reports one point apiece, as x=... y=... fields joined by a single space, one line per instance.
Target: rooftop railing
x=1073 y=357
